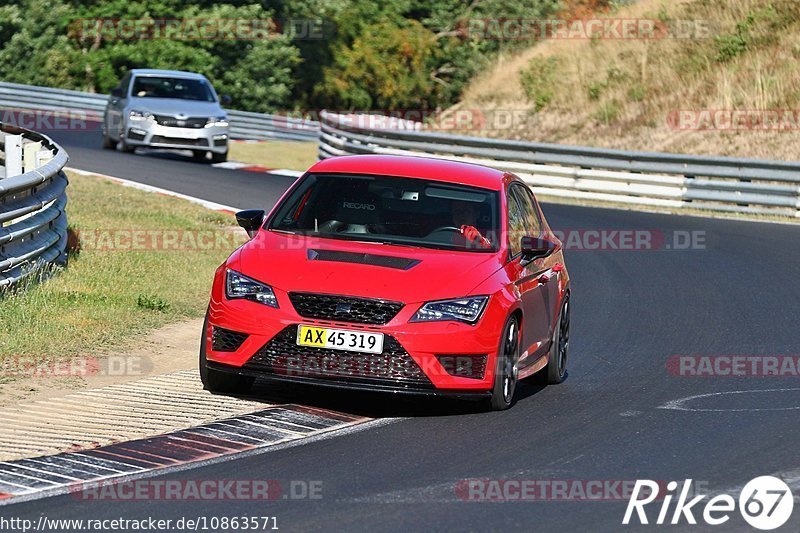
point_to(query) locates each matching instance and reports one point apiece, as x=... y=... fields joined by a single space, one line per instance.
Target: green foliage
x=614 y=75
x=730 y=46
x=371 y=55
x=34 y=47
x=271 y=63
x=637 y=93
x=539 y=80
x=386 y=68
x=745 y=33
x=596 y=89
x=151 y=303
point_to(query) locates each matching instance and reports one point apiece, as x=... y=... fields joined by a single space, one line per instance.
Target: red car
x=389 y=273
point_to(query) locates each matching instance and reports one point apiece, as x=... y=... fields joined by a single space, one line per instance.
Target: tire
x=219 y=158
x=218 y=382
x=505 y=379
x=125 y=147
x=108 y=144
x=556 y=370
x=199 y=155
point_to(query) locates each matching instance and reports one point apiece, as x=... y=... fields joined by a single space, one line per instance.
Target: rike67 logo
x=765 y=503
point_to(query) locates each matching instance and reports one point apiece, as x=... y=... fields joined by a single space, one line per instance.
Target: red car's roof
x=414 y=167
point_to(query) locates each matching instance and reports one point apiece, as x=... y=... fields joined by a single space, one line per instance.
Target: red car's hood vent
x=401 y=263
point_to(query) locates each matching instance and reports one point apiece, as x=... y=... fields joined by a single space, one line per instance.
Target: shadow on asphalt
x=378 y=405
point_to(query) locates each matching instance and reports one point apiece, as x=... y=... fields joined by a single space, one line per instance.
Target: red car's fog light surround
x=225 y=340
x=471 y=366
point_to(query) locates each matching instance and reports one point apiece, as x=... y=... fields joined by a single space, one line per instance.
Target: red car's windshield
x=395 y=210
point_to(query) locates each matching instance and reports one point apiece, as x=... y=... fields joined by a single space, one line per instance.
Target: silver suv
x=166 y=109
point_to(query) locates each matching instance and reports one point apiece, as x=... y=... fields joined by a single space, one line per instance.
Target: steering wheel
x=445 y=228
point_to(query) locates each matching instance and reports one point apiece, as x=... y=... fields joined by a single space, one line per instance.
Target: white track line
x=158 y=190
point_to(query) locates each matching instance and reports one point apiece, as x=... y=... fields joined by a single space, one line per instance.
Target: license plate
x=340 y=339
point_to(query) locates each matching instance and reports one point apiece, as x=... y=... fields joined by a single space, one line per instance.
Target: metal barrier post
x=13 y=155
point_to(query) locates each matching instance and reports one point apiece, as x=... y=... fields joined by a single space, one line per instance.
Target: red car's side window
x=533 y=224
x=516 y=224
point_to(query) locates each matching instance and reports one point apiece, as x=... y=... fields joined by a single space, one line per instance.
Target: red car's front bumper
x=418 y=357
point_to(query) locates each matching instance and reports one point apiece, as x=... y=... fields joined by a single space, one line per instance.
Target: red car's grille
x=224 y=340
x=344 y=308
x=393 y=367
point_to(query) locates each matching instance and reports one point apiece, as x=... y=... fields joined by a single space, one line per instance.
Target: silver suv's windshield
x=394 y=210
x=180 y=88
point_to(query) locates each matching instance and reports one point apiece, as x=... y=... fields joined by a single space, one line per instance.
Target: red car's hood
x=312 y=264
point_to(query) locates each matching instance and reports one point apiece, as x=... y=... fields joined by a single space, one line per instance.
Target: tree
x=262 y=80
x=386 y=68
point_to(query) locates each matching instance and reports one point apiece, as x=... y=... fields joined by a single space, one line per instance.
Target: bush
x=152 y=303
x=539 y=81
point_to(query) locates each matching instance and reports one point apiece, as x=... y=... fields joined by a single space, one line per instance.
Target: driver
x=465 y=216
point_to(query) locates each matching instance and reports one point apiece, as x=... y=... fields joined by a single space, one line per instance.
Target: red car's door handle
x=550 y=274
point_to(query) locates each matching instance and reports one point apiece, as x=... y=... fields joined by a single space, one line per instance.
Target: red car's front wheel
x=505 y=379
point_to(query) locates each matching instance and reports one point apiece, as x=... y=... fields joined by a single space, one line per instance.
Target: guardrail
x=33 y=224
x=642 y=178
x=243 y=125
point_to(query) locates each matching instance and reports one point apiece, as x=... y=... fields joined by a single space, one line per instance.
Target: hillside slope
x=645 y=93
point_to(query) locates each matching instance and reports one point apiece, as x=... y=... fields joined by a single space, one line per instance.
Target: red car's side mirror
x=537 y=247
x=250 y=220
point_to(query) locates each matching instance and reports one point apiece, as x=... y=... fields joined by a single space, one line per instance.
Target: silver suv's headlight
x=221 y=122
x=240 y=286
x=135 y=114
x=467 y=310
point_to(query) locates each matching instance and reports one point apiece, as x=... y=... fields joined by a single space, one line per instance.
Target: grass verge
x=145 y=260
x=294 y=155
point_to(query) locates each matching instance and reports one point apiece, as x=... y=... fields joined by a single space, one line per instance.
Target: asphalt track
x=632 y=311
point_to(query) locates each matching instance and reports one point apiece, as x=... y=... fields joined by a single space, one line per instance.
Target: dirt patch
x=167 y=349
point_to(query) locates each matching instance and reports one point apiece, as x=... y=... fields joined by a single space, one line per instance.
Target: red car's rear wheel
x=556 y=369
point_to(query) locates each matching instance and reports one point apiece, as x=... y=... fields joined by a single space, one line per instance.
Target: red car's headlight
x=467 y=310
x=240 y=286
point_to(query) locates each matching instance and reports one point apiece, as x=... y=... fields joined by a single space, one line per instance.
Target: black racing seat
x=354 y=213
